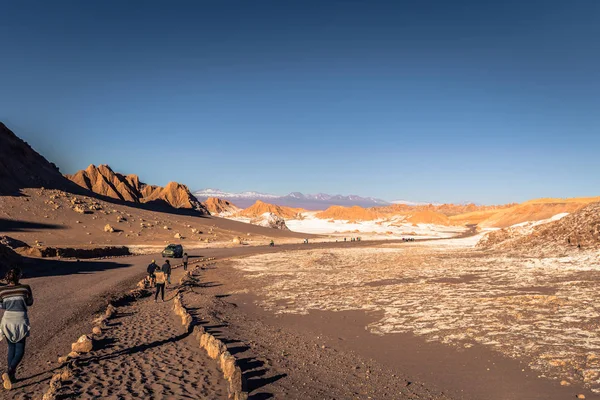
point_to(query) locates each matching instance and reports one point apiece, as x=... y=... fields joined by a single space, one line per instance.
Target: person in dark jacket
x=152 y=267
x=166 y=268
x=185 y=261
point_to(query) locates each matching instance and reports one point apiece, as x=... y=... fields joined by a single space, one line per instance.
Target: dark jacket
x=151 y=268
x=185 y=258
x=166 y=268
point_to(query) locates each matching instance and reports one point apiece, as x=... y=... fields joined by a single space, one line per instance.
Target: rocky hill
x=428 y=217
x=580 y=229
x=270 y=220
x=260 y=208
x=354 y=213
x=221 y=207
x=22 y=167
x=104 y=181
x=535 y=210
x=8 y=258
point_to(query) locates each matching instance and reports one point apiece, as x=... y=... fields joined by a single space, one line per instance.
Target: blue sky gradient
x=491 y=102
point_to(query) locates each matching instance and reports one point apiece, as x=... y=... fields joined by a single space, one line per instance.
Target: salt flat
x=543 y=311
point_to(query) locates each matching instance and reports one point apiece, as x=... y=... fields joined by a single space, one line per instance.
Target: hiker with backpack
x=152 y=267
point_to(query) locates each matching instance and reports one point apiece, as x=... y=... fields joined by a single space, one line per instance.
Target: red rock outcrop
x=218 y=206
x=259 y=208
x=104 y=181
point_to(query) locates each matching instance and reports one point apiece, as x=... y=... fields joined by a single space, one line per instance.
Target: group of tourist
x=15 y=298
x=160 y=276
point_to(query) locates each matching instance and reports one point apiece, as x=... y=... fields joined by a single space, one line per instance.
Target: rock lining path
x=146 y=353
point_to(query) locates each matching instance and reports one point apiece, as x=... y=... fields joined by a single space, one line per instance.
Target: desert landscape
x=352 y=302
x=299 y=200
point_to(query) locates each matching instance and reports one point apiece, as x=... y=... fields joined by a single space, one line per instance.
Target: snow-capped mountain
x=414 y=203
x=319 y=201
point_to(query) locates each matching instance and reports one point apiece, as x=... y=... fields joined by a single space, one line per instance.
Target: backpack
x=151 y=268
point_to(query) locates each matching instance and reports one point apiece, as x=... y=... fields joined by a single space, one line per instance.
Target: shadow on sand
x=254 y=371
x=9 y=225
x=39 y=267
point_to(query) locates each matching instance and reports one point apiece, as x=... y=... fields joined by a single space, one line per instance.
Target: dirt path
x=146 y=353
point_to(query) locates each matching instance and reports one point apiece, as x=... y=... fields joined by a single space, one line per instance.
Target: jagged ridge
x=104 y=181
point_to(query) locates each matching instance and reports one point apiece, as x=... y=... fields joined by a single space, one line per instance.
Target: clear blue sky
x=486 y=101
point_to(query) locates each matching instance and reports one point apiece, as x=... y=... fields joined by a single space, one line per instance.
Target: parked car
x=173 y=250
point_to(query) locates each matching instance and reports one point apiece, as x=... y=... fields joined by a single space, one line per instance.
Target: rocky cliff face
x=22 y=167
x=270 y=220
x=579 y=229
x=221 y=207
x=104 y=181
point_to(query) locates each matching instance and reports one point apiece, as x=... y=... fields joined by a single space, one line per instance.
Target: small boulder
x=83 y=345
x=79 y=209
x=237 y=240
x=178 y=236
x=73 y=354
x=108 y=228
x=66 y=374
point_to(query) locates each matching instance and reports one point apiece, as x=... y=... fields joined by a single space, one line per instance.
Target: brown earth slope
x=354 y=213
x=428 y=217
x=581 y=228
x=535 y=210
x=104 y=181
x=22 y=167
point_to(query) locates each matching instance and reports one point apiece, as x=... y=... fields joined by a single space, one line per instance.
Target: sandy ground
x=423 y=320
x=68 y=294
x=145 y=352
x=48 y=217
x=536 y=320
x=380 y=229
x=293 y=361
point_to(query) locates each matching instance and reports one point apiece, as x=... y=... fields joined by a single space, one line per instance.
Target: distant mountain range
x=318 y=201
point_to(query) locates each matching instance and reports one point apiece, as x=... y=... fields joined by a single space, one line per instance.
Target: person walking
x=185 y=261
x=166 y=268
x=152 y=267
x=161 y=281
x=14 y=326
